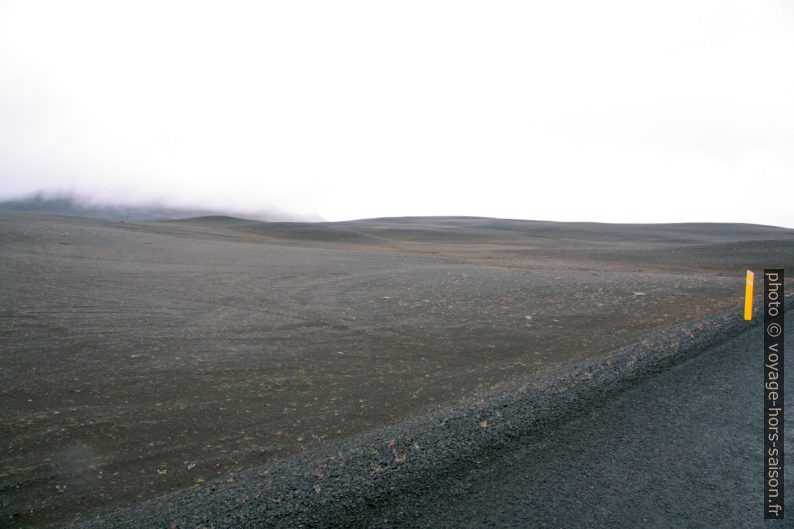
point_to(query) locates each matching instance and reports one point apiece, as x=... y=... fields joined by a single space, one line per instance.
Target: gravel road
x=682 y=449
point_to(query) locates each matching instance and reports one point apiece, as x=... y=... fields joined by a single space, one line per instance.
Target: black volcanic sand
x=655 y=434
x=140 y=358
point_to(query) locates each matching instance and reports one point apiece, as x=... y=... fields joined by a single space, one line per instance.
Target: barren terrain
x=145 y=357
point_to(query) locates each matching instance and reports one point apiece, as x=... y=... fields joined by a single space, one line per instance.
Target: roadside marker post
x=748 y=296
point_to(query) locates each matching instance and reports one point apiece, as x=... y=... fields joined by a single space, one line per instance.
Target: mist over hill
x=75 y=205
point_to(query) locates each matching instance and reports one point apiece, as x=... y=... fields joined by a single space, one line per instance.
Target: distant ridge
x=72 y=205
x=551 y=235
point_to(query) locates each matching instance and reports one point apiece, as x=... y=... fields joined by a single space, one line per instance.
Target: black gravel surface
x=141 y=358
x=663 y=433
x=679 y=450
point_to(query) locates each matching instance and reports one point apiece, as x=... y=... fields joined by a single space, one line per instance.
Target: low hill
x=71 y=205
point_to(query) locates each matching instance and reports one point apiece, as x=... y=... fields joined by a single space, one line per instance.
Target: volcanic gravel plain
x=141 y=358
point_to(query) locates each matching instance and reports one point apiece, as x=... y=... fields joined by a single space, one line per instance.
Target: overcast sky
x=616 y=111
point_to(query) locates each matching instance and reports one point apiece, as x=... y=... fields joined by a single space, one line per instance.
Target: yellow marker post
x=748 y=296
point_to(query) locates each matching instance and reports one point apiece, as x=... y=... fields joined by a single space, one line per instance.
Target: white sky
x=617 y=111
